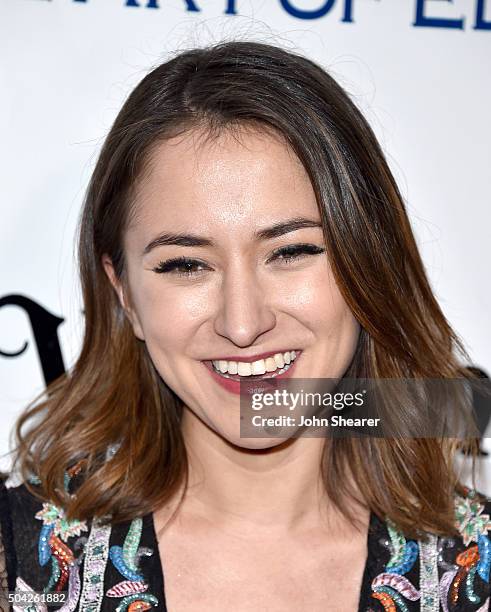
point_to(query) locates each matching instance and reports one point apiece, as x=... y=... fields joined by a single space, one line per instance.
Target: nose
x=243 y=309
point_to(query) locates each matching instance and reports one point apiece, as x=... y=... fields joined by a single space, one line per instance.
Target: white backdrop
x=418 y=69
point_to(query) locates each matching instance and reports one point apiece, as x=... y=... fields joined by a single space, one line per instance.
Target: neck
x=273 y=491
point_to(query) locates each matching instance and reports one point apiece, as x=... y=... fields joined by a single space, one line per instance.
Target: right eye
x=180 y=266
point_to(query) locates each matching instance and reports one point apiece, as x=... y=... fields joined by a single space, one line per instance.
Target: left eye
x=296 y=251
x=184 y=266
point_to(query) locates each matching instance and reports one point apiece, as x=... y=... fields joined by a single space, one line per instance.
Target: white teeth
x=278 y=358
x=244 y=368
x=277 y=363
x=258 y=367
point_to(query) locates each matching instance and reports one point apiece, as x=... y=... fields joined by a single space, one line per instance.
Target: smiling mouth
x=271 y=367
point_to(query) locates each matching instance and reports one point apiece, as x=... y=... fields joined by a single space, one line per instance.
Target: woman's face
x=243 y=290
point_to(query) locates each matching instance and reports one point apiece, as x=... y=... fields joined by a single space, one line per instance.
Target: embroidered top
x=118 y=567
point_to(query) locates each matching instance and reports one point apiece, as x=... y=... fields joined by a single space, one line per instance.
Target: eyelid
x=297 y=251
x=174 y=262
x=303 y=248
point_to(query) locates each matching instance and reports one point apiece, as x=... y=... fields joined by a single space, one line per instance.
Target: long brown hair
x=113 y=412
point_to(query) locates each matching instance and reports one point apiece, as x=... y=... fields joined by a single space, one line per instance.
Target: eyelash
x=287 y=254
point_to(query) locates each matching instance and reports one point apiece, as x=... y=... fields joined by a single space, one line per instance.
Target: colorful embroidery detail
x=117 y=557
x=404 y=553
x=55 y=531
x=65 y=559
x=469 y=586
x=394 y=591
x=73 y=590
x=394 y=596
x=385 y=599
x=390 y=587
x=96 y=555
x=50 y=546
x=54 y=518
x=469 y=519
x=55 y=574
x=484 y=564
x=428 y=574
x=127 y=587
x=131 y=543
x=126 y=560
x=397 y=582
x=445 y=582
x=21 y=586
x=144 y=601
x=472 y=525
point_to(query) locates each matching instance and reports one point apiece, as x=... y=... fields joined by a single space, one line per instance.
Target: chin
x=256 y=443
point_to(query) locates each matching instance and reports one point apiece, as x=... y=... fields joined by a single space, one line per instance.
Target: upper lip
x=250 y=359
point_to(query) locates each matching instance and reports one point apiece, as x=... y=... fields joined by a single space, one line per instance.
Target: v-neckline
x=369 y=571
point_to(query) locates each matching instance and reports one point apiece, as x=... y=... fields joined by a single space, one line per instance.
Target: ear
x=119 y=289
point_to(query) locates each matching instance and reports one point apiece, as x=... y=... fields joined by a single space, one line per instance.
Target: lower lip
x=234 y=386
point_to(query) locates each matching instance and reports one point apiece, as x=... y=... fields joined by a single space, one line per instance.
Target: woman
x=242 y=221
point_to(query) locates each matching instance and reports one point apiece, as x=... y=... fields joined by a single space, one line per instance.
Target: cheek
x=170 y=316
x=316 y=298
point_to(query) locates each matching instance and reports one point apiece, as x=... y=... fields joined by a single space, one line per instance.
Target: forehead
x=236 y=181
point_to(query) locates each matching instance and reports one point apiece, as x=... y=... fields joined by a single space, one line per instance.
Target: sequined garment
x=106 y=567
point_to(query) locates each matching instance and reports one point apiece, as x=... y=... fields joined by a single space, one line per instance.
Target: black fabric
x=7 y=535
x=20 y=532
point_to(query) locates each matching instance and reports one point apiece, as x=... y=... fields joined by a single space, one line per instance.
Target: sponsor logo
x=426 y=14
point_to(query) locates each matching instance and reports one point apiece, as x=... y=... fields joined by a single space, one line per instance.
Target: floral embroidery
x=394 y=591
x=55 y=517
x=126 y=560
x=469 y=518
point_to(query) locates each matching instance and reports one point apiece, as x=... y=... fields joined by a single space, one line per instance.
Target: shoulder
x=90 y=560
x=18 y=527
x=16 y=505
x=465 y=561
x=18 y=508
x=30 y=529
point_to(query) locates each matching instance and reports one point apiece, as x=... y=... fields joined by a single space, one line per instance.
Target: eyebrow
x=267 y=233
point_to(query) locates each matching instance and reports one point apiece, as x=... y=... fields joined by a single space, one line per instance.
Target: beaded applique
x=476 y=558
x=22 y=587
x=395 y=592
x=390 y=587
x=126 y=560
x=64 y=564
x=96 y=555
x=428 y=574
x=54 y=533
